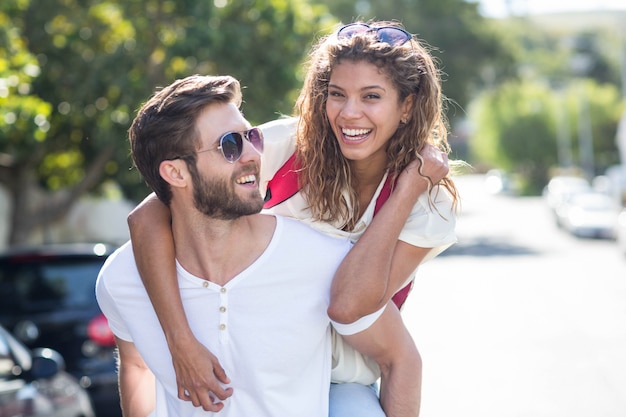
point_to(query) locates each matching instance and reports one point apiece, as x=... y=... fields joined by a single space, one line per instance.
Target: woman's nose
x=351 y=109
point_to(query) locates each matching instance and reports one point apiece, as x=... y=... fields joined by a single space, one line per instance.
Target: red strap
x=284 y=185
x=385 y=192
x=400 y=297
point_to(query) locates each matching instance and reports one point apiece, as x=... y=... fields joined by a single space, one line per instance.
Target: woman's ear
x=407 y=108
x=174 y=172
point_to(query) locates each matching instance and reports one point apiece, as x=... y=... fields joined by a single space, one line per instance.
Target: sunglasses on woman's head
x=231 y=144
x=390 y=35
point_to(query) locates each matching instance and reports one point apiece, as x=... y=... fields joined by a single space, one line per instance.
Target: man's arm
x=136 y=381
x=198 y=371
x=389 y=343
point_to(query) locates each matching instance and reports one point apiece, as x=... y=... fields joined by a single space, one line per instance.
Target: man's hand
x=199 y=375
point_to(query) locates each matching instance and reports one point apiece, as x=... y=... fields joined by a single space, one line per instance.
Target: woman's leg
x=354 y=400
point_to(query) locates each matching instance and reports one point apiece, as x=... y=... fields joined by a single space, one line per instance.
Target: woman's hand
x=199 y=376
x=433 y=166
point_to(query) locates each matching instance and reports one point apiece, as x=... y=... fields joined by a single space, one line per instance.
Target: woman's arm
x=198 y=372
x=361 y=287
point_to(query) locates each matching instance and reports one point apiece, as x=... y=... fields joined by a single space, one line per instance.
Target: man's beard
x=217 y=200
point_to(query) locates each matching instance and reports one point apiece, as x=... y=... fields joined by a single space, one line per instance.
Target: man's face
x=222 y=189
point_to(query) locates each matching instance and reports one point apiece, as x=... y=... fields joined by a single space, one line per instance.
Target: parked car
x=498 y=181
x=589 y=214
x=33 y=383
x=561 y=188
x=47 y=298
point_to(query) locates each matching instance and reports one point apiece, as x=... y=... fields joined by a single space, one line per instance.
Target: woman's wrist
x=180 y=337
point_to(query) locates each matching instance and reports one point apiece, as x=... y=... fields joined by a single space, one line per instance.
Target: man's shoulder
x=121 y=259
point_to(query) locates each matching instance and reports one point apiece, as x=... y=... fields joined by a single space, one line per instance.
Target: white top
x=268 y=325
x=425 y=227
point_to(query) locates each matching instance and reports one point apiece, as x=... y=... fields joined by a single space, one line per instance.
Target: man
x=255 y=287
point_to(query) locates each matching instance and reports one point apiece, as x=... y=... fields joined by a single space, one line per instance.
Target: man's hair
x=165 y=126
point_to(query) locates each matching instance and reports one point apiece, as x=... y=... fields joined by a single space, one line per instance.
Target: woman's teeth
x=355 y=132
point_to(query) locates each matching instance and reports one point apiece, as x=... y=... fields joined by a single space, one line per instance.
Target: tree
x=23 y=132
x=85 y=66
x=569 y=76
x=518 y=125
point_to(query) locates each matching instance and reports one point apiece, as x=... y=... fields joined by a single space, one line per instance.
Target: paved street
x=520 y=319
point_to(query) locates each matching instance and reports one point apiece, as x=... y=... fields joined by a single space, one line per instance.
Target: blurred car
x=498 y=182
x=561 y=188
x=620 y=231
x=47 y=298
x=34 y=383
x=588 y=214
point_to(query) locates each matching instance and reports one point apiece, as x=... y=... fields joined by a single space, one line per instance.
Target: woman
x=370 y=108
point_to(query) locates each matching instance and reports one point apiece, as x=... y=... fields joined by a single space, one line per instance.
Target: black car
x=34 y=383
x=47 y=298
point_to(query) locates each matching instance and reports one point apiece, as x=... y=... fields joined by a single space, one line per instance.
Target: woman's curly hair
x=326 y=174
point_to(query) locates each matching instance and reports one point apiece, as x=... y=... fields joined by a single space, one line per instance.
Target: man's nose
x=249 y=152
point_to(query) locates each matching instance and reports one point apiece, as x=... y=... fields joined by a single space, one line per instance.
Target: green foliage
x=605 y=107
x=559 y=54
x=25 y=117
x=516 y=127
x=272 y=39
x=515 y=130
x=99 y=60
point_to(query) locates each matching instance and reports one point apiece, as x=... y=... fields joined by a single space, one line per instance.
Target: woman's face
x=364 y=110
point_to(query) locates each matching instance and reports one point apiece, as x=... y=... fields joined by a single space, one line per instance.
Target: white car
x=562 y=187
x=589 y=214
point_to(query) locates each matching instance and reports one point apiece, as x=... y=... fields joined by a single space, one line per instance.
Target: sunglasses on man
x=231 y=144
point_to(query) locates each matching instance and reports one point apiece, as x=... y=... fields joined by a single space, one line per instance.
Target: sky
x=498 y=8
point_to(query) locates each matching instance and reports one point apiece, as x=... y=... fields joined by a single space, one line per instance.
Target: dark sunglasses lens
x=255 y=136
x=393 y=36
x=349 y=31
x=232 y=146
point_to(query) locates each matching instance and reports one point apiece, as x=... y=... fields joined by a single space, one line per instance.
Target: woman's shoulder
x=283 y=128
x=280 y=143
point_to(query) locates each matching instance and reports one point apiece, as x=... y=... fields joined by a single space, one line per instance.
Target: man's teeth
x=246 y=179
x=355 y=132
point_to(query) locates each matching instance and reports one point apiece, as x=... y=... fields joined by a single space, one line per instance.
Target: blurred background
x=534 y=89
x=524 y=316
